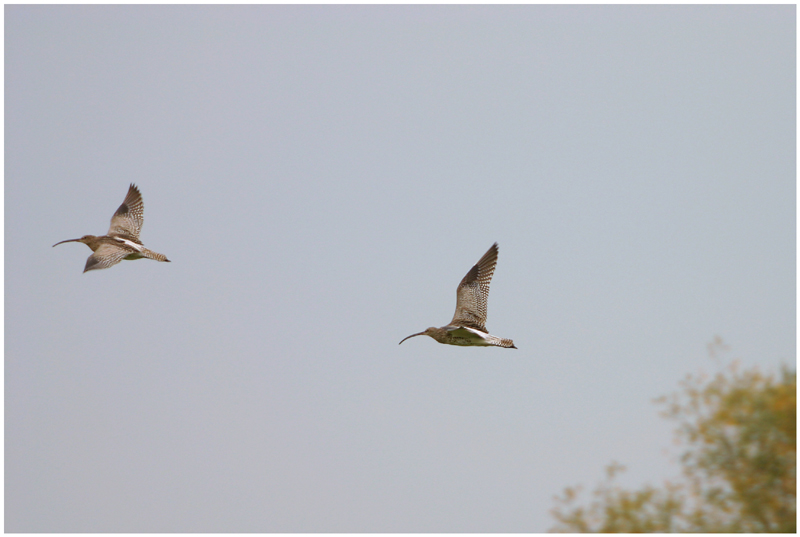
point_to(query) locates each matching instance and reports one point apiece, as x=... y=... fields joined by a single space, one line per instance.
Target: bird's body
x=468 y=327
x=122 y=241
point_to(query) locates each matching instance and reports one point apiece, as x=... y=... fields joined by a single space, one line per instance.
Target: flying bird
x=468 y=327
x=122 y=241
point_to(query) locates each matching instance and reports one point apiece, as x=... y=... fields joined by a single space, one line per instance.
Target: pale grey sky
x=322 y=178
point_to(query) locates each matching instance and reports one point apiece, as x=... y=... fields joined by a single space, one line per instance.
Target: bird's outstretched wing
x=106 y=255
x=473 y=292
x=129 y=217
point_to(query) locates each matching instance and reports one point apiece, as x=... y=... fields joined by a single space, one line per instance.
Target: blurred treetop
x=739 y=467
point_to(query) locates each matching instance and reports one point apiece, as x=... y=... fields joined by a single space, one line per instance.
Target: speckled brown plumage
x=122 y=240
x=468 y=327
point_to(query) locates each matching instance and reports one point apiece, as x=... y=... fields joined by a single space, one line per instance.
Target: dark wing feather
x=129 y=217
x=473 y=292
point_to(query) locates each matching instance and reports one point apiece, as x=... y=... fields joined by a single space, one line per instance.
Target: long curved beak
x=70 y=240
x=412 y=335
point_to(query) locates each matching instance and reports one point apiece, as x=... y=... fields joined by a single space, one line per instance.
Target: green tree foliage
x=739 y=467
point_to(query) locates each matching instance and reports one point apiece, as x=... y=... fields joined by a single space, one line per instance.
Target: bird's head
x=86 y=239
x=428 y=332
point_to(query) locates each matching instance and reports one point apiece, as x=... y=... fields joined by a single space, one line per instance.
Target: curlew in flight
x=468 y=326
x=122 y=241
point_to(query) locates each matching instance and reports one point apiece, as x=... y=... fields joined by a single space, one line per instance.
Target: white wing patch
x=474 y=331
x=137 y=247
x=473 y=336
